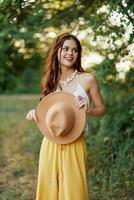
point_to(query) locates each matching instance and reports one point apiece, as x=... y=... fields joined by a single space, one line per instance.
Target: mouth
x=69 y=58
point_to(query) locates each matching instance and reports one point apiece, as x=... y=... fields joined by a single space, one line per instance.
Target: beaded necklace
x=68 y=79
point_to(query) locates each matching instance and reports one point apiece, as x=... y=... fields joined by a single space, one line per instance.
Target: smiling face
x=68 y=53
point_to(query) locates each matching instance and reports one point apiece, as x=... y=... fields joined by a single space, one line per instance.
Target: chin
x=68 y=65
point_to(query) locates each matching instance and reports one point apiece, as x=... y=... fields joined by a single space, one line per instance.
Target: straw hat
x=59 y=119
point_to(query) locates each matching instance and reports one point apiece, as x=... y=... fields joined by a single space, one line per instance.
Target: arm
x=98 y=108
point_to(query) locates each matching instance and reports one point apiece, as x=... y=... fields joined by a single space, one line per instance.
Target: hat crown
x=60 y=119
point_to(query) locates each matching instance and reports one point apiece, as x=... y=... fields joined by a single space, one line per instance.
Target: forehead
x=70 y=43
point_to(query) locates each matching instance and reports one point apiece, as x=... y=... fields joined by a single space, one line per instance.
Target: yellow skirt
x=62 y=171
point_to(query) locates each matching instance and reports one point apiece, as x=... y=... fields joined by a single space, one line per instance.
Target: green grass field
x=20 y=142
x=19 y=146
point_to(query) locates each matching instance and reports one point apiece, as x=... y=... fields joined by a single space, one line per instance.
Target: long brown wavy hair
x=52 y=69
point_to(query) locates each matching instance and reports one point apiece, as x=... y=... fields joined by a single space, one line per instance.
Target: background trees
x=28 y=28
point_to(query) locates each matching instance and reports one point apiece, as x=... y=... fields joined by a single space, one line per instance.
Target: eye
x=65 y=48
x=75 y=50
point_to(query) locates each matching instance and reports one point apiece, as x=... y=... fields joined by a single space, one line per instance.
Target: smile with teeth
x=69 y=58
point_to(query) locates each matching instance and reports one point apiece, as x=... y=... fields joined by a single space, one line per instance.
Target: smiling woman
x=64 y=164
x=68 y=55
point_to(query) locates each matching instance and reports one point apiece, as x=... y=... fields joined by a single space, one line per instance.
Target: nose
x=70 y=51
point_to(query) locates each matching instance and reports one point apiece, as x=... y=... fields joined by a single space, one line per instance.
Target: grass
x=20 y=142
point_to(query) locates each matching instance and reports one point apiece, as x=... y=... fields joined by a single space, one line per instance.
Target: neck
x=65 y=80
x=66 y=71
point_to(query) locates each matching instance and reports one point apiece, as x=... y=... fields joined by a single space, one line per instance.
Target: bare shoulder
x=87 y=79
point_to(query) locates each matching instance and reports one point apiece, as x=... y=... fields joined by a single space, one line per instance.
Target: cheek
x=60 y=56
x=76 y=56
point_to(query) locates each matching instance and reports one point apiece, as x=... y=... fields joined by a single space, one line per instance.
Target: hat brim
x=79 y=123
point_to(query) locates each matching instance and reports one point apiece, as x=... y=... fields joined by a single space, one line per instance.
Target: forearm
x=96 y=111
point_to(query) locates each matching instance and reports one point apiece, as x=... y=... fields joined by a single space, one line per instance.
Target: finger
x=86 y=108
x=28 y=117
x=31 y=115
x=34 y=116
x=76 y=101
x=82 y=103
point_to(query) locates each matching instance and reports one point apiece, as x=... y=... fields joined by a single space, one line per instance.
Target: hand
x=81 y=102
x=31 y=115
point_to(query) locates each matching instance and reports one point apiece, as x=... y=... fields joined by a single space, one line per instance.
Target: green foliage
x=110 y=145
x=18 y=172
x=21 y=20
x=130 y=78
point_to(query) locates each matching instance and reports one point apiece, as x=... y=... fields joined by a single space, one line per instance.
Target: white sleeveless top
x=80 y=91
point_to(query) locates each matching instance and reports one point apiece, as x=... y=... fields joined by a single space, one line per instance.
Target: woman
x=63 y=71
